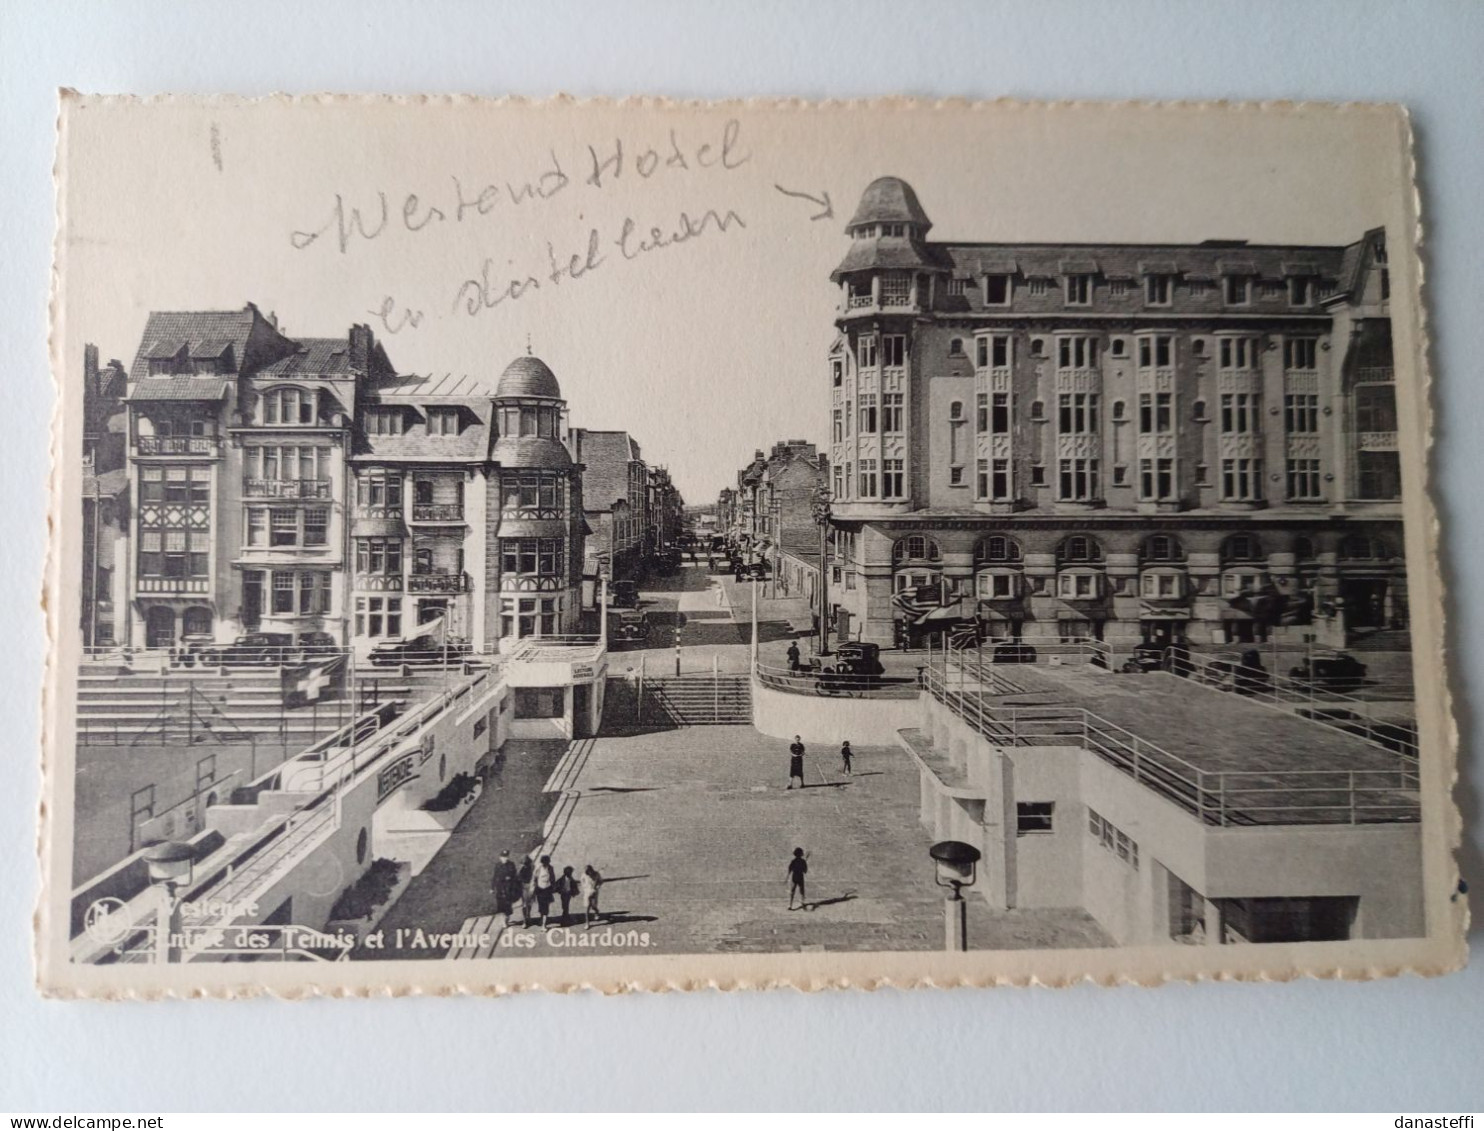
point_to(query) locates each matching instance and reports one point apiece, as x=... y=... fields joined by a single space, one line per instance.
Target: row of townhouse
x=633 y=511
x=1117 y=441
x=302 y=485
x=773 y=513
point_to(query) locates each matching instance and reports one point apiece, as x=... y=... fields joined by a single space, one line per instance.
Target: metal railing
x=251 y=870
x=438 y=583
x=286 y=488
x=1222 y=798
x=437 y=512
x=177 y=445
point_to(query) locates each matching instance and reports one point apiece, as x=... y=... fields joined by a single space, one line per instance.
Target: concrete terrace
x=1265 y=753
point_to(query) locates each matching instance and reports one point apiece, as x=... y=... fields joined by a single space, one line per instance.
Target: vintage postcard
x=642 y=545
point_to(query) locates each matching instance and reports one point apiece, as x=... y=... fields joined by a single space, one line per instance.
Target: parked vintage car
x=625 y=594
x=426 y=650
x=1146 y=658
x=1246 y=677
x=315 y=645
x=855 y=658
x=629 y=628
x=189 y=649
x=1014 y=652
x=250 y=649
x=1340 y=672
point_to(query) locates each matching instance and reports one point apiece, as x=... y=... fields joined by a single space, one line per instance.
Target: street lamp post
x=956 y=864
x=170 y=864
x=822 y=519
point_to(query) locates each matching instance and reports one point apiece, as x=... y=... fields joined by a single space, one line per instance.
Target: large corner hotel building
x=1112 y=440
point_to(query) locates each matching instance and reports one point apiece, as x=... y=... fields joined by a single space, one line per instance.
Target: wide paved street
x=693 y=829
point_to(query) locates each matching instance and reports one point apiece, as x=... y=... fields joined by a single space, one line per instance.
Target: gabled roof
x=606 y=457
x=167 y=331
x=315 y=357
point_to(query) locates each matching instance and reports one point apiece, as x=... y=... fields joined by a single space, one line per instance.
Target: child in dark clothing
x=797 y=867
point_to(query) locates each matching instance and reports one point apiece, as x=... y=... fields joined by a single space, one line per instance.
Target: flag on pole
x=311 y=682
x=435 y=627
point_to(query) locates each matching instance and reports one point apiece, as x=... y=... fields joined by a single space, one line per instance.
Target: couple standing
x=536 y=881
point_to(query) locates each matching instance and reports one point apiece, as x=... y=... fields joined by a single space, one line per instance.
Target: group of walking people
x=535 y=883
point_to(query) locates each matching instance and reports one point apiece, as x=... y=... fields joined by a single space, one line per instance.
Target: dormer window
x=443 y=421
x=384 y=422
x=289 y=404
x=1079 y=290
x=895 y=230
x=168 y=359
x=1157 y=290
x=996 y=290
x=1236 y=290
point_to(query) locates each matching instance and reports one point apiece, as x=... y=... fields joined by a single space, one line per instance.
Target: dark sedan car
x=316 y=645
x=1340 y=672
x=855 y=658
x=251 y=649
x=629 y=627
x=1013 y=652
x=426 y=650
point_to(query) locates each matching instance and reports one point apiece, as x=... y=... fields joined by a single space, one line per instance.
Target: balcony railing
x=169 y=585
x=286 y=488
x=437 y=512
x=1378 y=441
x=1374 y=374
x=379 y=582
x=177 y=445
x=438 y=583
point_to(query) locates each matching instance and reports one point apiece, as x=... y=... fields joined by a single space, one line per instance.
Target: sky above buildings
x=663 y=262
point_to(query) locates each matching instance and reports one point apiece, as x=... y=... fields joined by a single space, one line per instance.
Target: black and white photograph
x=511 y=544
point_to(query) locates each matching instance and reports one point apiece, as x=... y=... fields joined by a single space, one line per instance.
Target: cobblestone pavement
x=693 y=830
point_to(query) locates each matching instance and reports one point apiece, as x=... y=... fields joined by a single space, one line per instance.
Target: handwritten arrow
x=829 y=209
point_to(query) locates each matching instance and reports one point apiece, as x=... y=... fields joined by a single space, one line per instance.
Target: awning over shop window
x=1150 y=610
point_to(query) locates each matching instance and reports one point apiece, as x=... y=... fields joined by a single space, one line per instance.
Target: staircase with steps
x=119 y=709
x=699 y=700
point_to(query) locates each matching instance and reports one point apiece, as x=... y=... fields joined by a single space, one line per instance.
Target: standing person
x=796 y=762
x=793 y=656
x=545 y=886
x=846 y=754
x=497 y=770
x=527 y=876
x=798 y=867
x=505 y=886
x=589 y=886
x=566 y=887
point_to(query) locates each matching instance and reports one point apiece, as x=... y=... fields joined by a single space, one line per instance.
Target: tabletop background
x=1409 y=1044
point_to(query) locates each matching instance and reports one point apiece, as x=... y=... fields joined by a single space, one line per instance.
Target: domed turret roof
x=889 y=199
x=528 y=377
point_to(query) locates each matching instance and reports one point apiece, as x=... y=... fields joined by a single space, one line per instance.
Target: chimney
x=361 y=344
x=90 y=367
